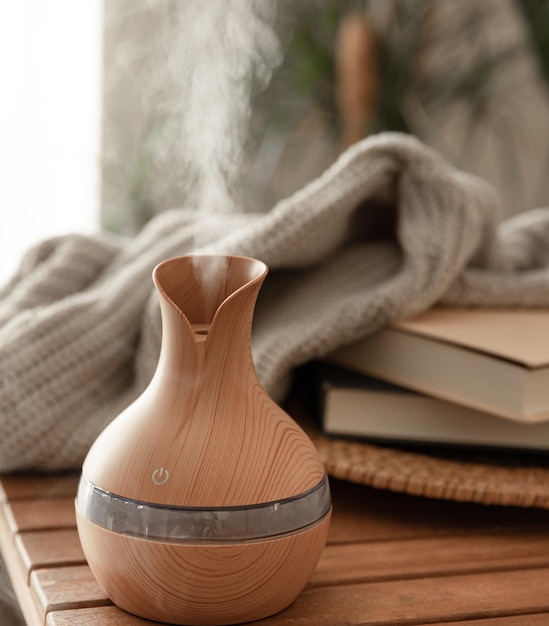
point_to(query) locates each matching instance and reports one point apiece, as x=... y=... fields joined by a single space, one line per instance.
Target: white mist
x=224 y=50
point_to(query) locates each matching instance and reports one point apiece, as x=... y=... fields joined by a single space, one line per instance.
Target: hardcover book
x=356 y=405
x=493 y=360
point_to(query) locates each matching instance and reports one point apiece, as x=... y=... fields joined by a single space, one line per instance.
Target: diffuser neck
x=207 y=305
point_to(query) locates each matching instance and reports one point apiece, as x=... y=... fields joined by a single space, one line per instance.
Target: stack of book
x=473 y=377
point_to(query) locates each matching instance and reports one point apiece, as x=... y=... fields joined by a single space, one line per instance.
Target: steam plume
x=224 y=50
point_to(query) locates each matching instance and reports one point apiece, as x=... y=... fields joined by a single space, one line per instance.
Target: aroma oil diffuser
x=204 y=502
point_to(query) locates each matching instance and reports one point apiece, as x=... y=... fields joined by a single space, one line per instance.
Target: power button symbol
x=160 y=476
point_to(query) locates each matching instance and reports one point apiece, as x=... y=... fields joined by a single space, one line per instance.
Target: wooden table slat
x=100 y=616
x=26 y=486
x=440 y=556
x=422 y=600
x=43 y=514
x=538 y=619
x=48 y=548
x=61 y=588
x=112 y=616
x=14 y=566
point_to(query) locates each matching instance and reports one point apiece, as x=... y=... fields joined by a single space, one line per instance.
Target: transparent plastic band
x=184 y=524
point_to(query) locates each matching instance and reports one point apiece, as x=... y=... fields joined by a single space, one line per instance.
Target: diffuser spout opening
x=198 y=285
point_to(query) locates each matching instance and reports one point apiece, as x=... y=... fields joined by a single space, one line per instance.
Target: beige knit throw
x=387 y=231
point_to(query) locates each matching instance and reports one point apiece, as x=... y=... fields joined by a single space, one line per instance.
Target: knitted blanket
x=387 y=231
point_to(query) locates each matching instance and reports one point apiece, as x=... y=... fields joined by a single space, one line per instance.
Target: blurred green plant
x=409 y=84
x=536 y=14
x=308 y=77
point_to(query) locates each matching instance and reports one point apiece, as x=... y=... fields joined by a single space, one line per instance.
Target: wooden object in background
x=357 y=81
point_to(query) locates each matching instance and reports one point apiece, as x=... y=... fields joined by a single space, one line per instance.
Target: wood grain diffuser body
x=203 y=502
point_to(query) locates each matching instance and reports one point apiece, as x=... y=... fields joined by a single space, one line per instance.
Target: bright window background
x=50 y=121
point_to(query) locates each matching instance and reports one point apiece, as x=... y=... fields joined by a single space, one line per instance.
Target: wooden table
x=391 y=559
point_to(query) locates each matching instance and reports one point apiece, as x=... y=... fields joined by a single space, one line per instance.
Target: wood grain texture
x=13 y=564
x=205 y=418
x=25 y=486
x=100 y=616
x=202 y=583
x=207 y=426
x=421 y=600
x=442 y=556
x=538 y=619
x=42 y=514
x=58 y=547
x=62 y=588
